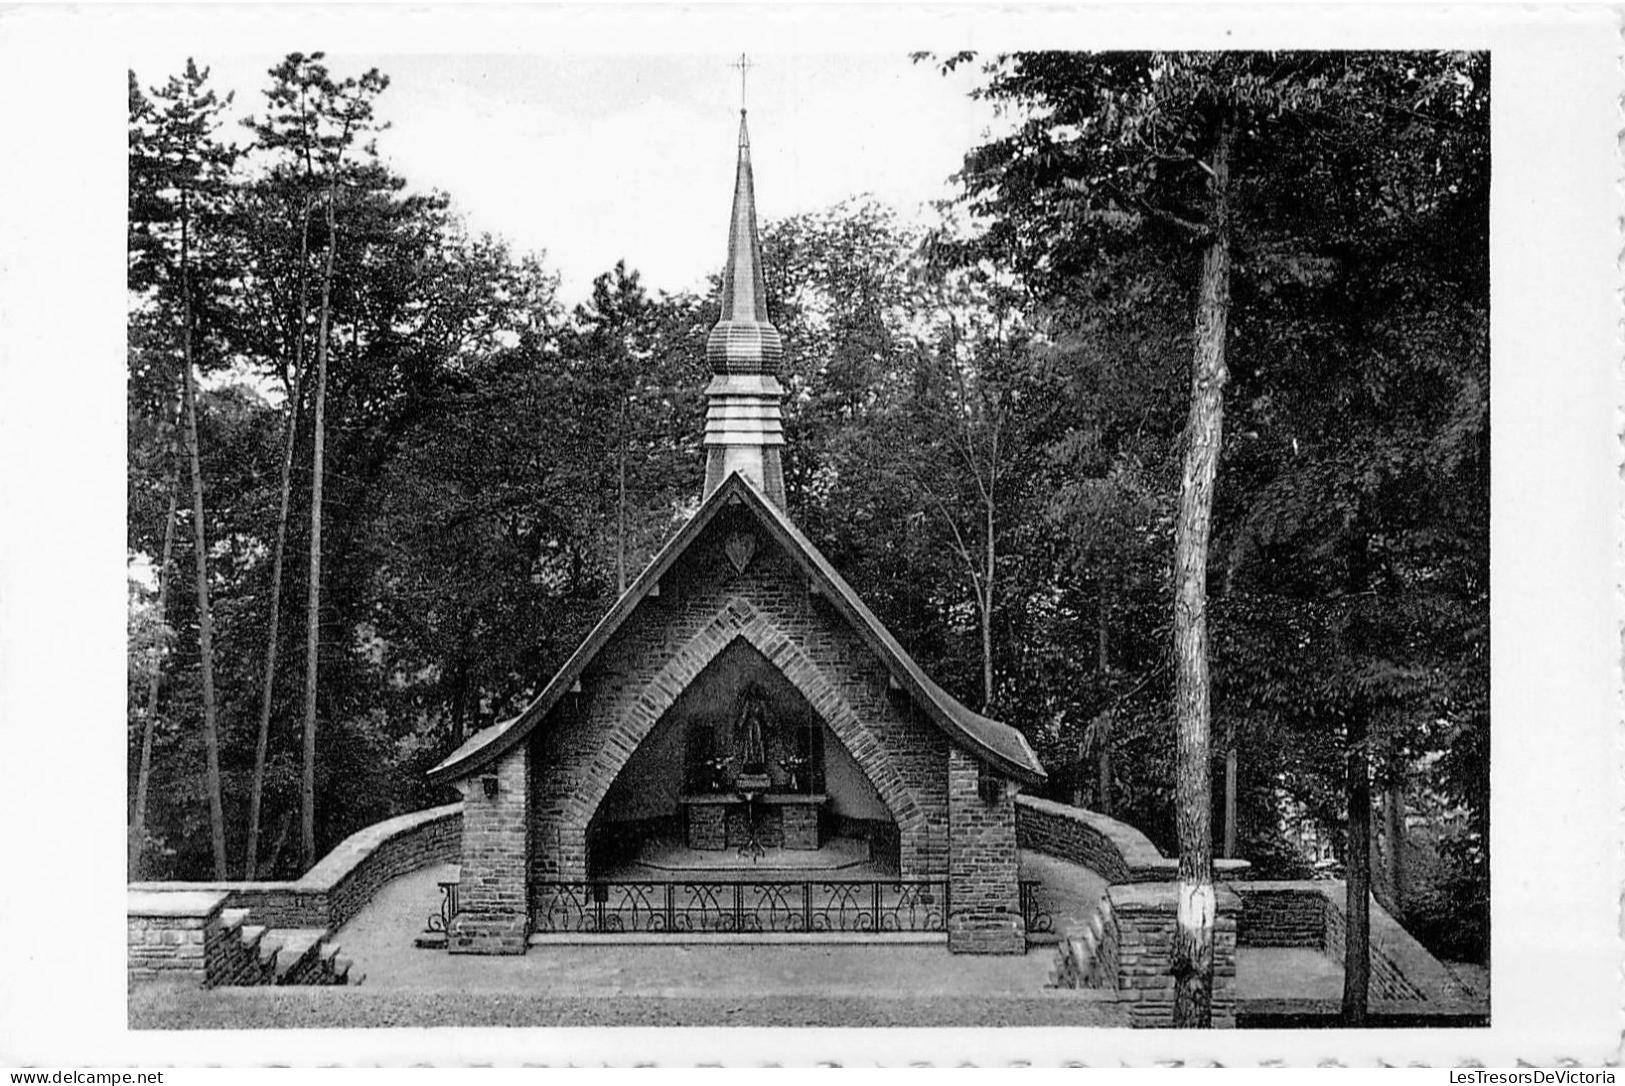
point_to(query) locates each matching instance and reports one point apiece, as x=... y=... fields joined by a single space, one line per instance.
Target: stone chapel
x=740 y=745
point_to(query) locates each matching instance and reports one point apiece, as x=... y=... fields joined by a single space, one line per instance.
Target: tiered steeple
x=744 y=428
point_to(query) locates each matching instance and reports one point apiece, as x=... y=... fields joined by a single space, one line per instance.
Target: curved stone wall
x=1117 y=851
x=334 y=890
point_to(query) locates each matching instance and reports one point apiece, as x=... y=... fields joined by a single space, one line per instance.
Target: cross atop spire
x=744 y=65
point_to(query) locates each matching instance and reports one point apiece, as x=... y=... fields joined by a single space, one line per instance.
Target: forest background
x=985 y=425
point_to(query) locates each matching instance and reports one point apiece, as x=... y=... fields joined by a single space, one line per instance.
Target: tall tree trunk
x=1193 y=939
x=279 y=842
x=307 y=784
x=1393 y=813
x=263 y=742
x=1103 y=783
x=1232 y=756
x=620 y=502
x=987 y=598
x=1103 y=768
x=1230 y=771
x=459 y=697
x=205 y=620
x=988 y=501
x=143 y=775
x=1357 y=905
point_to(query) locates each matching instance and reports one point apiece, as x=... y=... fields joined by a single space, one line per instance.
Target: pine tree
x=183 y=174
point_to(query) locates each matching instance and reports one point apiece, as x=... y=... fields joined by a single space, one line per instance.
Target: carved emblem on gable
x=740 y=548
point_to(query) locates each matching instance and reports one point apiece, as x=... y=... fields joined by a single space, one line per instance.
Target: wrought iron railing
x=1039 y=920
x=441 y=921
x=902 y=905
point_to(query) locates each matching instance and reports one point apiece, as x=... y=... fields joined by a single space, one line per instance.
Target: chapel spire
x=744 y=427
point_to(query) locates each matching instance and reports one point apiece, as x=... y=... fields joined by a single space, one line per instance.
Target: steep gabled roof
x=998 y=744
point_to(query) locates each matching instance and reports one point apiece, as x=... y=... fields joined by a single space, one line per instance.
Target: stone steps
x=257 y=955
x=233 y=954
x=298 y=961
x=253 y=937
x=1075 y=957
x=335 y=969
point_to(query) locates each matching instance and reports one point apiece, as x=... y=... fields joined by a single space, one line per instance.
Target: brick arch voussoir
x=736 y=620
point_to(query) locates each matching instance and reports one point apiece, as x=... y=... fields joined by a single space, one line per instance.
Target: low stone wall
x=1310 y=913
x=192 y=937
x=169 y=933
x=327 y=895
x=1137 y=950
x=1283 y=915
x=364 y=861
x=1117 y=851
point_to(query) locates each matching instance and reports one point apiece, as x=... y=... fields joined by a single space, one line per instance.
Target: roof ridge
x=993 y=740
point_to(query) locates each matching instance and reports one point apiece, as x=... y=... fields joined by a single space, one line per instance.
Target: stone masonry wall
x=983 y=864
x=330 y=893
x=1284 y=917
x=494 y=896
x=192 y=937
x=1145 y=916
x=708 y=826
x=168 y=933
x=703 y=605
x=367 y=860
x=1312 y=912
x=1113 y=849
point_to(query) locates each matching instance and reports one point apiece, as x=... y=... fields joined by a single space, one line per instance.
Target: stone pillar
x=172 y=934
x=984 y=892
x=494 y=908
x=1145 y=915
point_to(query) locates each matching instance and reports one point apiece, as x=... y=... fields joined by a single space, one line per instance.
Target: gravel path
x=166 y=1007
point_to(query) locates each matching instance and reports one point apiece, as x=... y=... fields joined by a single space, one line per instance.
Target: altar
x=790 y=820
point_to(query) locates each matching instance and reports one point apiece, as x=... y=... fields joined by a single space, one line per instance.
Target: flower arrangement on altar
x=716 y=773
x=794 y=766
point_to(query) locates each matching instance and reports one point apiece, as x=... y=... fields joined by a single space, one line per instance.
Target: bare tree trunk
x=205 y=621
x=987 y=581
x=1103 y=769
x=620 y=502
x=1193 y=939
x=1103 y=783
x=1393 y=812
x=280 y=842
x=987 y=635
x=143 y=775
x=1232 y=757
x=1357 y=906
x=307 y=784
x=216 y=815
x=1230 y=768
x=263 y=742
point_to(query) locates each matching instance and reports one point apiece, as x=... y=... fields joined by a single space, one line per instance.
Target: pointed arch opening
x=741 y=761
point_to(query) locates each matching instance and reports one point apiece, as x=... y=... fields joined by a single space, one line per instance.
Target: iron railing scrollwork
x=898 y=905
x=441 y=921
x=1039 y=921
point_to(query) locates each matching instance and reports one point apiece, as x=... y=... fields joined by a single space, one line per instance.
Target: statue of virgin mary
x=751 y=727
